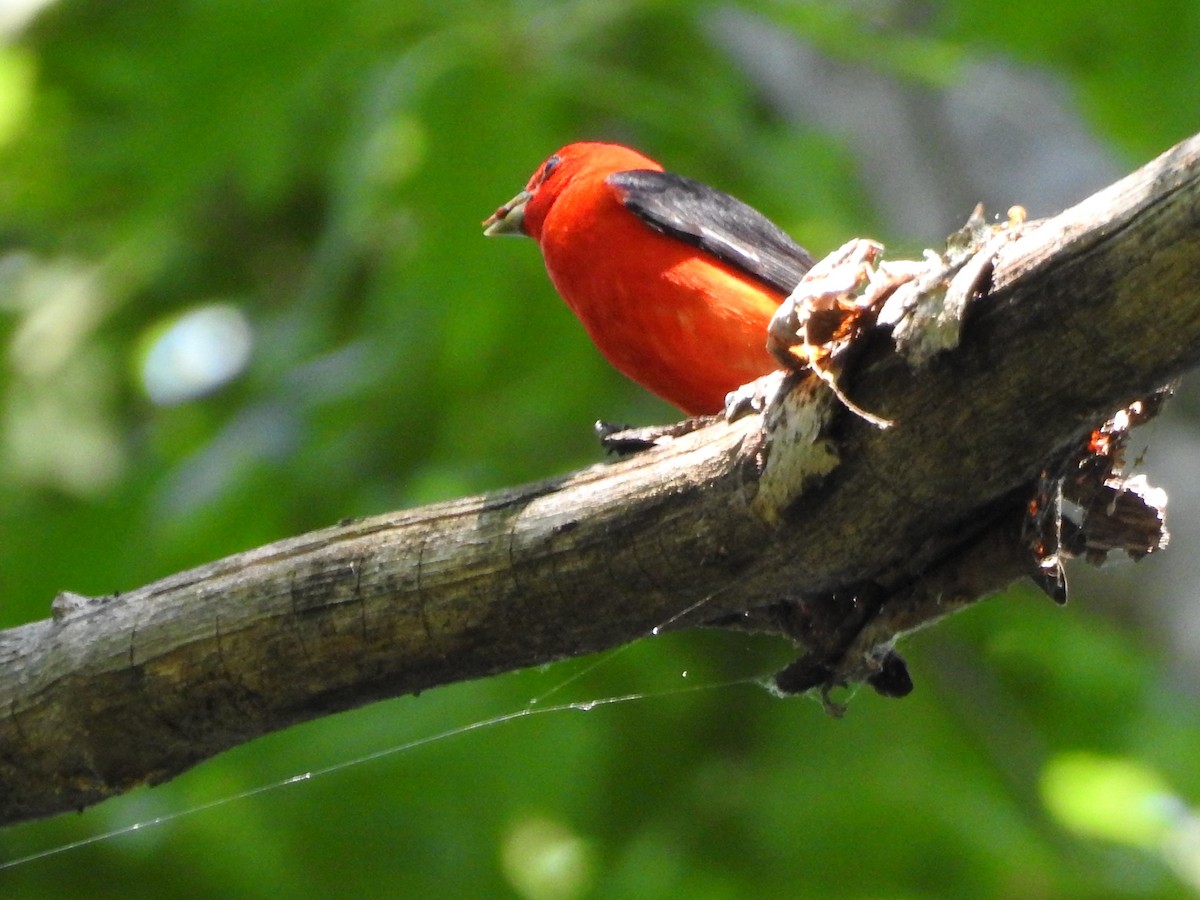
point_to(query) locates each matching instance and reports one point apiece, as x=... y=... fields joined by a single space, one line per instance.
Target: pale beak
x=508 y=219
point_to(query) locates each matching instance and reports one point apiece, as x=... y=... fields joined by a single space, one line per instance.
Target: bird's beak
x=509 y=218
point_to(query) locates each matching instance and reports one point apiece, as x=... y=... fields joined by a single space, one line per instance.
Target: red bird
x=674 y=281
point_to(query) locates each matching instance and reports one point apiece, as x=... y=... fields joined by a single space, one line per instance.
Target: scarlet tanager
x=673 y=280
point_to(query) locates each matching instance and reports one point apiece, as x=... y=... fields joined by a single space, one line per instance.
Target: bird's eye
x=550 y=166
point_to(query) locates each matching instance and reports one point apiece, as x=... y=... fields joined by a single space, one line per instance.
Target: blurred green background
x=244 y=293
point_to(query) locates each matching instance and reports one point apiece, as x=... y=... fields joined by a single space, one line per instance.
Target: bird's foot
x=625 y=440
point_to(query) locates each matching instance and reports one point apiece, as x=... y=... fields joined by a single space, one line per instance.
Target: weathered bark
x=1087 y=312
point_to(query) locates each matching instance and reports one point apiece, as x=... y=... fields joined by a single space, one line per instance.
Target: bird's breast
x=674 y=319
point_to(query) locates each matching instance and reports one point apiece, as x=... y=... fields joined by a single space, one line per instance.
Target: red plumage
x=671 y=279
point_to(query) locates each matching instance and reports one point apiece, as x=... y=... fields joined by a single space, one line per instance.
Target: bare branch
x=1087 y=312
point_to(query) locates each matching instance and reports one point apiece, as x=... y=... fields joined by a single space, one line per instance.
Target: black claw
x=621 y=439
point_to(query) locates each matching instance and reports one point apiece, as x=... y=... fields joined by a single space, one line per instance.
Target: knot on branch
x=822 y=327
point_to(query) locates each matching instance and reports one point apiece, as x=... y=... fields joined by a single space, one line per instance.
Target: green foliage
x=324 y=168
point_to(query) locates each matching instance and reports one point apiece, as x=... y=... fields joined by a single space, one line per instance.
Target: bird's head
x=525 y=213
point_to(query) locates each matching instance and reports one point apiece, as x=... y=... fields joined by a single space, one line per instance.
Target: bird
x=674 y=281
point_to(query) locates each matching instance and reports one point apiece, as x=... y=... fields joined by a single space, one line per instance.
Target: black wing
x=715 y=222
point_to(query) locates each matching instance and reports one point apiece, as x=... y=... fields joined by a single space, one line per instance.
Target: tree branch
x=1086 y=313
